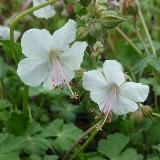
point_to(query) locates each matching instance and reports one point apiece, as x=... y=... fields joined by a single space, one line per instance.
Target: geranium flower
x=5 y=33
x=109 y=89
x=46 y=12
x=51 y=59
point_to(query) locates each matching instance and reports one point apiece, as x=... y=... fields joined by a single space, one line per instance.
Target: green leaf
x=35 y=143
x=153 y=82
x=65 y=110
x=18 y=123
x=4 y=104
x=64 y=134
x=141 y=64
x=157 y=147
x=6 y=45
x=114 y=145
x=119 y=141
x=156 y=64
x=10 y=156
x=9 y=143
x=51 y=158
x=96 y=158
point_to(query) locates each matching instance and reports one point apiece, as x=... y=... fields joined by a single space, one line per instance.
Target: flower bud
x=96 y=30
x=70 y=9
x=137 y=117
x=110 y=19
x=128 y=7
x=59 y=6
x=147 y=111
x=81 y=33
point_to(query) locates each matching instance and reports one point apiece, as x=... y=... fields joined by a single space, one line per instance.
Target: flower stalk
x=86 y=143
x=129 y=41
x=91 y=129
x=146 y=30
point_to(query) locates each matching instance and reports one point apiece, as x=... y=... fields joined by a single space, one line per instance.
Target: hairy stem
x=87 y=142
x=129 y=41
x=81 y=137
x=146 y=30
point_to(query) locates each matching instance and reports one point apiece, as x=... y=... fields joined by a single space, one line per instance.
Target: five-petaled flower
x=109 y=89
x=51 y=59
x=45 y=12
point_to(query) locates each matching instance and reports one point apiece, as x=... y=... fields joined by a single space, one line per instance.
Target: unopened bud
x=128 y=7
x=110 y=19
x=96 y=30
x=59 y=6
x=147 y=111
x=70 y=9
x=137 y=116
x=81 y=33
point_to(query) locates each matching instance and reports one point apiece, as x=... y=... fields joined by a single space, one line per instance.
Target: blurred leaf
x=96 y=158
x=18 y=123
x=153 y=82
x=65 y=110
x=65 y=134
x=10 y=156
x=51 y=158
x=3 y=68
x=115 y=152
x=4 y=104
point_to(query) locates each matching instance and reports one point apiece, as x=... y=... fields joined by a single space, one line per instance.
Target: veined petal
x=113 y=72
x=135 y=91
x=36 y=43
x=32 y=72
x=100 y=97
x=65 y=35
x=124 y=105
x=73 y=57
x=46 y=12
x=94 y=80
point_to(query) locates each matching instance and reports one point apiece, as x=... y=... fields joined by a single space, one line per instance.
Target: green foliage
x=115 y=152
x=54 y=121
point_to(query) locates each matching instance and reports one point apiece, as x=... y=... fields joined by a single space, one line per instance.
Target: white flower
x=46 y=12
x=5 y=33
x=111 y=92
x=50 y=58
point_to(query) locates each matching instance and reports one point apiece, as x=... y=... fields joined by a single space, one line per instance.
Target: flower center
x=108 y=105
x=59 y=77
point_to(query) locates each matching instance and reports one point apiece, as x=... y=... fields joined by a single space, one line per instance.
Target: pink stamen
x=108 y=106
x=58 y=76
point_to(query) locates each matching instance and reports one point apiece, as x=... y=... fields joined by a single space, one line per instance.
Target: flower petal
x=46 y=12
x=36 y=43
x=94 y=80
x=124 y=105
x=65 y=35
x=113 y=72
x=69 y=75
x=73 y=57
x=32 y=72
x=100 y=97
x=135 y=91
x=5 y=33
